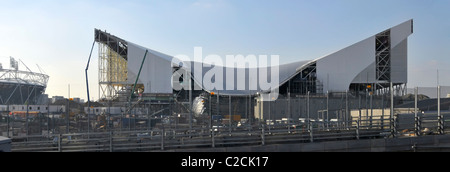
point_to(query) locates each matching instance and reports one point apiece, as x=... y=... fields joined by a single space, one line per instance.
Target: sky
x=58 y=35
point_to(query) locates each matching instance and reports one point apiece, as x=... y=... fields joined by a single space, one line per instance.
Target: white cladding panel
x=249 y=77
x=340 y=68
x=156 y=72
x=354 y=64
x=368 y=75
x=399 y=62
x=401 y=32
x=399 y=51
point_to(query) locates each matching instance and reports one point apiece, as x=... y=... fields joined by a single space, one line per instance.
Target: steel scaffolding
x=112 y=72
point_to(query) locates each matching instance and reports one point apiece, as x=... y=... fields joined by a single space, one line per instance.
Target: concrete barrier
x=434 y=143
x=5 y=144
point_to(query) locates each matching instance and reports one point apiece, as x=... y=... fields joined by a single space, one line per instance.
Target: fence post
x=59 y=143
x=440 y=116
x=111 y=141
x=441 y=124
x=213 y=141
x=357 y=129
x=311 y=135
x=416 y=115
x=394 y=126
x=8 y=118
x=417 y=127
x=162 y=139
x=263 y=139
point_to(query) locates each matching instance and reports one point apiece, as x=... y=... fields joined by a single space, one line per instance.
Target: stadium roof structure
x=372 y=63
x=21 y=86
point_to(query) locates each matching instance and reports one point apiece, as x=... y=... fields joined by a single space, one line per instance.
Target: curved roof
x=158 y=67
x=352 y=64
x=23 y=77
x=230 y=86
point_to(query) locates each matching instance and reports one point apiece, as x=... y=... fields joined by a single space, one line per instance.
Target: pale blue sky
x=57 y=35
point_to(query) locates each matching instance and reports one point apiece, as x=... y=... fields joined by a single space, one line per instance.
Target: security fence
x=296 y=119
x=402 y=125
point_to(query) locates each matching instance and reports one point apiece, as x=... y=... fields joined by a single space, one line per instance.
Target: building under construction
x=131 y=75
